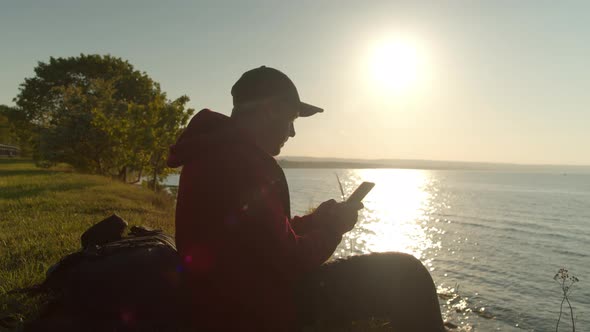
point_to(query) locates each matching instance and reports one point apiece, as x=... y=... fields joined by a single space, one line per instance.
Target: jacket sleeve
x=267 y=230
x=303 y=224
x=231 y=214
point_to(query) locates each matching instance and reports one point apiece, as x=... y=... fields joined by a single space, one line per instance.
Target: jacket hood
x=207 y=131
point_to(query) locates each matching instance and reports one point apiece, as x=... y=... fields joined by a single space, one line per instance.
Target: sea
x=493 y=241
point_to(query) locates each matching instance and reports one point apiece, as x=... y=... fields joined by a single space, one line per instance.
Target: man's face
x=279 y=127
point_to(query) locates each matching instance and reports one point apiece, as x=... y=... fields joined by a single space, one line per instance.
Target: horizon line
x=436 y=160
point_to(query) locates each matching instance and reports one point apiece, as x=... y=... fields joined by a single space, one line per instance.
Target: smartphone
x=361 y=192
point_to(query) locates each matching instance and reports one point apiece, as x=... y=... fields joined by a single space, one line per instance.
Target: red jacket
x=242 y=251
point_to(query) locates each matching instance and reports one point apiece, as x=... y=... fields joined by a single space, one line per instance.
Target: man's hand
x=339 y=217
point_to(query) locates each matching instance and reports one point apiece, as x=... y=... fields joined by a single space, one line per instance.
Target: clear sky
x=498 y=81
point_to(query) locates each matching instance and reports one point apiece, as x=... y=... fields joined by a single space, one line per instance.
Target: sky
x=486 y=81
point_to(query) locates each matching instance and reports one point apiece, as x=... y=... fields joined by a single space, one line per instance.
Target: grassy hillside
x=43 y=212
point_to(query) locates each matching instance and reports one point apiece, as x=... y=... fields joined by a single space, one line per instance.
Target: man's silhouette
x=242 y=252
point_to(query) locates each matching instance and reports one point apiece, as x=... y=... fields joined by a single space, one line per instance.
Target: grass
x=44 y=212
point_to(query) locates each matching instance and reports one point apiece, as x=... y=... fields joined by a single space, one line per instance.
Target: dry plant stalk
x=566 y=282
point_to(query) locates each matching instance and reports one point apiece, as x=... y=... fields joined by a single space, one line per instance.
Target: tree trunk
x=99 y=164
x=123 y=174
x=138 y=176
x=155 y=179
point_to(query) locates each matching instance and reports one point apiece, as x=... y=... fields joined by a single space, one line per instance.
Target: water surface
x=492 y=240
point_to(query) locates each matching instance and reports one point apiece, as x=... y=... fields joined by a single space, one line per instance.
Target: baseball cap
x=265 y=82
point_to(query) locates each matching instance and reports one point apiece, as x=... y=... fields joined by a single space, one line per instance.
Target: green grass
x=43 y=212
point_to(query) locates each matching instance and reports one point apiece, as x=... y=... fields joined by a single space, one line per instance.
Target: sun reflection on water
x=396 y=215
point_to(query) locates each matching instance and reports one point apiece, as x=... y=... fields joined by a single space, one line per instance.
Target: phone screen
x=361 y=192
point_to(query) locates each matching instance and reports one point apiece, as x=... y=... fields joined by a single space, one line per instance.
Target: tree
x=143 y=133
x=168 y=119
x=40 y=96
x=101 y=115
x=71 y=135
x=15 y=129
x=5 y=132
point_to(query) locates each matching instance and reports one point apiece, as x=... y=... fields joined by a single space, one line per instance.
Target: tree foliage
x=6 y=136
x=40 y=96
x=101 y=115
x=15 y=129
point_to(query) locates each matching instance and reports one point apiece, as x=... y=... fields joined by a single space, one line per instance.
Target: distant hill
x=310 y=162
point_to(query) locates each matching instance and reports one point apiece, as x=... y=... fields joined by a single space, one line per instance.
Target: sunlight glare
x=396 y=212
x=397 y=66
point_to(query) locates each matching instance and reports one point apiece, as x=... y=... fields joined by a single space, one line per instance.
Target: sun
x=396 y=66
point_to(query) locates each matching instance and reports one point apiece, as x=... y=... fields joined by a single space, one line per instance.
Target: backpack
x=115 y=283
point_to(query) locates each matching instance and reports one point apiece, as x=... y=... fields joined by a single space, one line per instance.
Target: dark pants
x=390 y=286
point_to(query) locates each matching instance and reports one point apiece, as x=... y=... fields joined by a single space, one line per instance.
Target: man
x=242 y=251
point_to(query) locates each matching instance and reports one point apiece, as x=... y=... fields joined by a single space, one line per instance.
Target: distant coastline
x=311 y=162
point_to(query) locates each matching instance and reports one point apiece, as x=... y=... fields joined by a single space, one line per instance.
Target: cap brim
x=309 y=110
